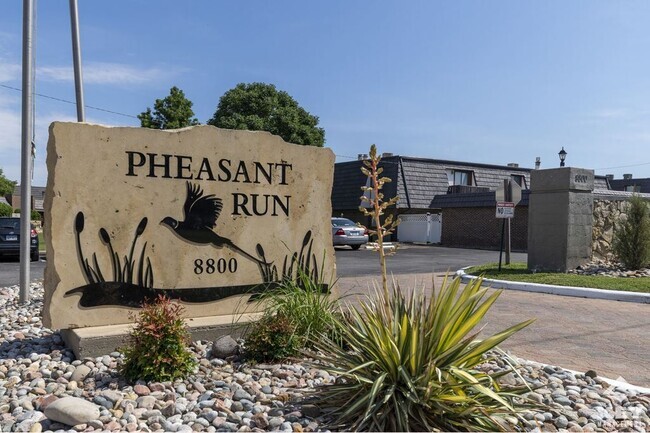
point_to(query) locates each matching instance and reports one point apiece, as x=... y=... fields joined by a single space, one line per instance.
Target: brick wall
x=477 y=227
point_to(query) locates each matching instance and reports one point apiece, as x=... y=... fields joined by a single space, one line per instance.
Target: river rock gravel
x=42 y=385
x=609 y=268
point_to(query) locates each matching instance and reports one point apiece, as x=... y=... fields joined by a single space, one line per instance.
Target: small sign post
x=507 y=197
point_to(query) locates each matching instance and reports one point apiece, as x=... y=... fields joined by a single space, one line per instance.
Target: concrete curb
x=578 y=292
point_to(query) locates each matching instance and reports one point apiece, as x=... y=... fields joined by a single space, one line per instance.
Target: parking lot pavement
x=414 y=259
x=10 y=270
x=610 y=337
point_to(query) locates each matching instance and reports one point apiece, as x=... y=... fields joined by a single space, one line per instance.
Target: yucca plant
x=410 y=364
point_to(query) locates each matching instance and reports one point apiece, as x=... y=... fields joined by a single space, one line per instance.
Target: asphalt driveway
x=414 y=259
x=410 y=259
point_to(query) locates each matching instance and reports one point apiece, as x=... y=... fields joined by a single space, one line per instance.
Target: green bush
x=271 y=339
x=411 y=365
x=302 y=314
x=5 y=210
x=157 y=349
x=34 y=215
x=311 y=311
x=632 y=238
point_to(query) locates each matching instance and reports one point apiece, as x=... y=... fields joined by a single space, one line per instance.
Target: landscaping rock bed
x=43 y=388
x=610 y=269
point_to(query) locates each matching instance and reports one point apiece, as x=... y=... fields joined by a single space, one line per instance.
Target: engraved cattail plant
x=79 y=223
x=123 y=272
x=302 y=262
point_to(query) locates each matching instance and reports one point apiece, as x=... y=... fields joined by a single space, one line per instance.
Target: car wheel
x=35 y=256
x=355 y=247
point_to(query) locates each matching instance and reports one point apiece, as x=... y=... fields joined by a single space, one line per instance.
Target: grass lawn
x=519 y=272
x=41 y=242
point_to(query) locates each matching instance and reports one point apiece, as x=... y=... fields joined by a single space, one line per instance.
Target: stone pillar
x=560 y=218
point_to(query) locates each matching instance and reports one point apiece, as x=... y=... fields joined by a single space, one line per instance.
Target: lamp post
x=562 y=154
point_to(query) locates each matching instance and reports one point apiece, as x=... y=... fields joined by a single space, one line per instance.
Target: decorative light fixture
x=562 y=154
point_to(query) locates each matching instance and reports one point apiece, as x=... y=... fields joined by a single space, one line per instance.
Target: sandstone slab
x=72 y=411
x=202 y=215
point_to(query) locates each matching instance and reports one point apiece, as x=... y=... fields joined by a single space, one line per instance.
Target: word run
x=168 y=166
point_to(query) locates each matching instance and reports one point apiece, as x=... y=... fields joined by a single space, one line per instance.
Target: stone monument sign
x=205 y=216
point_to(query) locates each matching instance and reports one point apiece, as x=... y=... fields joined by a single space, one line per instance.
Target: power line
x=135 y=117
x=72 y=102
x=623 y=166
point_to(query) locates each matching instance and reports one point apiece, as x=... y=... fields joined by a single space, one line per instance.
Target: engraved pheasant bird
x=201 y=213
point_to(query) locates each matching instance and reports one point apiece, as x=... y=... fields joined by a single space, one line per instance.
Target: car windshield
x=10 y=223
x=343 y=222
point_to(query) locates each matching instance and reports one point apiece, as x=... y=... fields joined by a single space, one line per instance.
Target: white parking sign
x=505 y=209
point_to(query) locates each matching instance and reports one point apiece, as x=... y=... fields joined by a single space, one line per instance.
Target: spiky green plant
x=309 y=312
x=410 y=364
x=312 y=311
x=632 y=237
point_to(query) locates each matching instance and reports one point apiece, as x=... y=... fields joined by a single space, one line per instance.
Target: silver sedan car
x=347 y=232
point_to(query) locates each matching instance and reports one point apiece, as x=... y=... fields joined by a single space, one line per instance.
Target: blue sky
x=480 y=81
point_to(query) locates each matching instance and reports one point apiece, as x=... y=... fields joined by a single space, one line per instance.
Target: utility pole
x=76 y=57
x=26 y=150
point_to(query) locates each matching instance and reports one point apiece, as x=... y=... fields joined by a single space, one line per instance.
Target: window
x=632 y=188
x=462 y=177
x=519 y=180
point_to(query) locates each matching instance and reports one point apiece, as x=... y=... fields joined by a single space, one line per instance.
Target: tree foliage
x=171 y=112
x=261 y=107
x=6 y=186
x=5 y=210
x=632 y=237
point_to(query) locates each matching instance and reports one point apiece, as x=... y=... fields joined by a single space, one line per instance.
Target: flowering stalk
x=377 y=205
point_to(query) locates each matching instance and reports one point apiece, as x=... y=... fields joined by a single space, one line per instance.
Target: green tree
x=171 y=112
x=5 y=210
x=261 y=107
x=632 y=238
x=6 y=186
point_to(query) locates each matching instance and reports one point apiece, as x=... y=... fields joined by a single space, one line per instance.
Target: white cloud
x=610 y=113
x=10 y=124
x=9 y=71
x=9 y=140
x=108 y=73
x=638 y=137
x=617 y=113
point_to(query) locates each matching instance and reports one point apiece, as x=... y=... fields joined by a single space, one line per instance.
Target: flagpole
x=76 y=57
x=26 y=149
